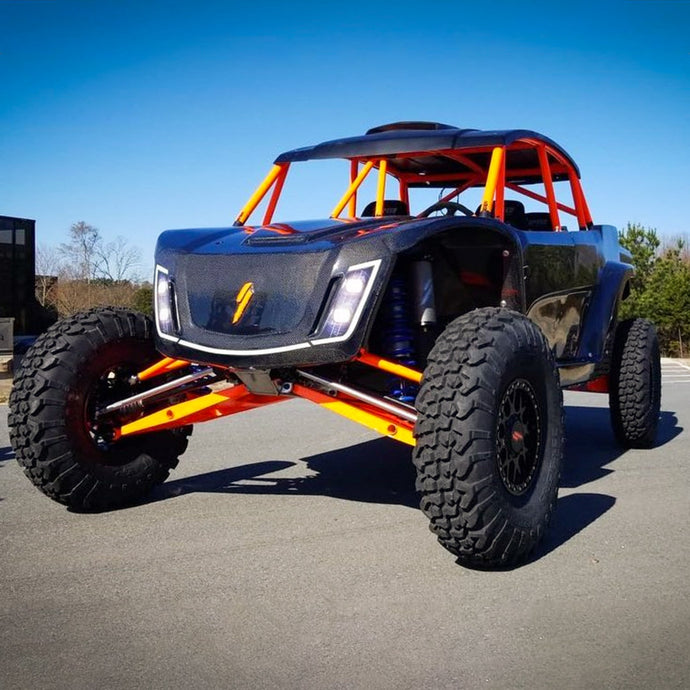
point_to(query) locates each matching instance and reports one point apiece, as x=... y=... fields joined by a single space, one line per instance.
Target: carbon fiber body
x=567 y=282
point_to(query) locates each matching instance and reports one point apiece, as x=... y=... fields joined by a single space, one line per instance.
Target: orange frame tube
x=200 y=409
x=492 y=179
x=387 y=425
x=539 y=197
x=390 y=367
x=548 y=187
x=352 y=189
x=499 y=205
x=381 y=187
x=458 y=190
x=280 y=181
x=584 y=217
x=352 y=207
x=163 y=366
x=404 y=193
x=260 y=193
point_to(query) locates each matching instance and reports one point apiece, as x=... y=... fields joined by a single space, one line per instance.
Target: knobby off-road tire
x=489 y=437
x=79 y=363
x=635 y=384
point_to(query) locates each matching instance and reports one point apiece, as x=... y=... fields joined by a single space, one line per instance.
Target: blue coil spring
x=398 y=338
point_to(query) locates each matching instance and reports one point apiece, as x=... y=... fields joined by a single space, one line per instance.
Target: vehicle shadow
x=590 y=446
x=590 y=454
x=380 y=471
x=377 y=471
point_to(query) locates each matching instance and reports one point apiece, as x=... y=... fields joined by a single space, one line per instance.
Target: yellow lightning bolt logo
x=244 y=297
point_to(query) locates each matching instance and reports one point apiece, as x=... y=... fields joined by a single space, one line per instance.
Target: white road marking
x=673 y=371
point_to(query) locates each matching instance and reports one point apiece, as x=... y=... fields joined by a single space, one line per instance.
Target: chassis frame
x=226 y=388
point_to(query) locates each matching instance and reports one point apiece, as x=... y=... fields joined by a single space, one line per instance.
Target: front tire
x=635 y=385
x=79 y=364
x=489 y=438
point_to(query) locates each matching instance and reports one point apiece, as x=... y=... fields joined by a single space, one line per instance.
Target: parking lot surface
x=287 y=551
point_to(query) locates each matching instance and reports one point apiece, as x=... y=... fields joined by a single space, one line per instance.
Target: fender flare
x=601 y=316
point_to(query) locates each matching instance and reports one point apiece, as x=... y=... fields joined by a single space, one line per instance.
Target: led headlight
x=164 y=302
x=346 y=305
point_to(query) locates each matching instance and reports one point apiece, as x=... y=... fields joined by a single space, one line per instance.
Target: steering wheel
x=450 y=208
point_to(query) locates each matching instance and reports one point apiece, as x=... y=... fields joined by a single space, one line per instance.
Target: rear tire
x=78 y=364
x=489 y=438
x=635 y=384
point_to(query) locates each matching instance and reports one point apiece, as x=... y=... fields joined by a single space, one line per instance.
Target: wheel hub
x=518 y=437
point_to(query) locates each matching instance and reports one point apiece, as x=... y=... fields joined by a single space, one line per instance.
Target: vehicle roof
x=421 y=137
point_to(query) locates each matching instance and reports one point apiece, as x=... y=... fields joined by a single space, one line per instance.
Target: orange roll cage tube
x=538 y=197
x=352 y=206
x=499 y=205
x=260 y=192
x=550 y=160
x=492 y=180
x=381 y=187
x=548 y=186
x=458 y=190
x=352 y=189
x=277 y=189
x=404 y=192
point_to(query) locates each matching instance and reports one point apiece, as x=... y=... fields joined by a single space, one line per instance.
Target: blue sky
x=137 y=116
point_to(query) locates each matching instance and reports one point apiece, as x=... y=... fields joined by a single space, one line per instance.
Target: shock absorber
x=399 y=337
x=425 y=307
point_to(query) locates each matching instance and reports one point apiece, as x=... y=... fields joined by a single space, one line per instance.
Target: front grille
x=282 y=286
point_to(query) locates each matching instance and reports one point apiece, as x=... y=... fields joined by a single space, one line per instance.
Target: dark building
x=18 y=276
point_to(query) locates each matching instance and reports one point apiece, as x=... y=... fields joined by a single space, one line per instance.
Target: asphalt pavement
x=287 y=551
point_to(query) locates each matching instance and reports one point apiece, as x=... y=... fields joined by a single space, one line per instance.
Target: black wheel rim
x=518 y=437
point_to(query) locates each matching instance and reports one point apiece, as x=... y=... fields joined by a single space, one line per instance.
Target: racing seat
x=514 y=214
x=391 y=207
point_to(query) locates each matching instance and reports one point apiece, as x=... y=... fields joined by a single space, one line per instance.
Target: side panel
x=573 y=281
x=295 y=279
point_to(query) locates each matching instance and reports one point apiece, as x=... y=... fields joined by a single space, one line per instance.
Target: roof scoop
x=409 y=124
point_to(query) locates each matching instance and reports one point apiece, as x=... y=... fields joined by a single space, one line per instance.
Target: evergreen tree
x=660 y=290
x=642 y=243
x=666 y=300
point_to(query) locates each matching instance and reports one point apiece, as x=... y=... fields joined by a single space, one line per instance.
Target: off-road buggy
x=451 y=328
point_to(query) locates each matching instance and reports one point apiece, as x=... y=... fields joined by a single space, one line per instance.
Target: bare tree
x=80 y=253
x=117 y=260
x=91 y=272
x=87 y=256
x=48 y=268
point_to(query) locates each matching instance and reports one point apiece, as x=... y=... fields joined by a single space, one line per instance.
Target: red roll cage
x=495 y=168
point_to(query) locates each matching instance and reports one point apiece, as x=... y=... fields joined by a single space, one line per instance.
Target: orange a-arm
x=234 y=398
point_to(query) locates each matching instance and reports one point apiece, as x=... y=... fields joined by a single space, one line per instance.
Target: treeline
x=88 y=271
x=660 y=290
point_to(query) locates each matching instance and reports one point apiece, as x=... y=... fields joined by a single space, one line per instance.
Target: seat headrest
x=539 y=220
x=514 y=214
x=391 y=207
